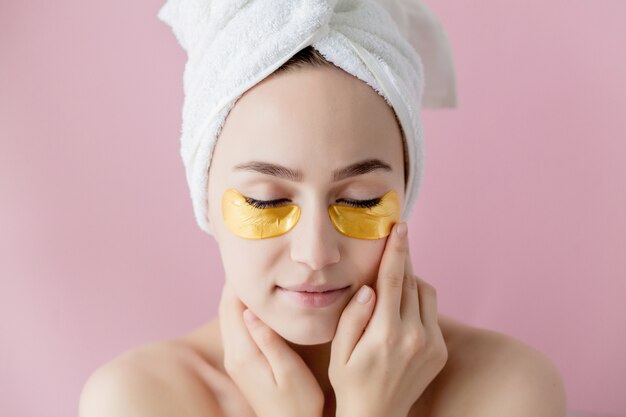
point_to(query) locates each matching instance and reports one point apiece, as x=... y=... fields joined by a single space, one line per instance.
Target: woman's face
x=313 y=121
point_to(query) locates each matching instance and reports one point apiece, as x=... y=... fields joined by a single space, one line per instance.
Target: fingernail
x=249 y=316
x=401 y=229
x=364 y=294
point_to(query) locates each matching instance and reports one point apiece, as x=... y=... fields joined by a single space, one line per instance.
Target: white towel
x=397 y=47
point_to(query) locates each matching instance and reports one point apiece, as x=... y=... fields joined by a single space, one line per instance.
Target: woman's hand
x=273 y=378
x=383 y=369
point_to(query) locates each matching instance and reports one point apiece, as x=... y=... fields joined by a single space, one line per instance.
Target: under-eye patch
x=250 y=222
x=247 y=221
x=367 y=222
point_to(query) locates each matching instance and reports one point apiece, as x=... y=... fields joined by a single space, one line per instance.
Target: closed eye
x=362 y=203
x=263 y=204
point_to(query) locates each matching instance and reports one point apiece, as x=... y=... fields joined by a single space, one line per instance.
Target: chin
x=307 y=340
x=307 y=334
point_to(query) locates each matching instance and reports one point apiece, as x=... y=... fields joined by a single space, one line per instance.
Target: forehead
x=317 y=116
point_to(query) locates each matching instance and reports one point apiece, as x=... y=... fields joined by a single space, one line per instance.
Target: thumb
x=281 y=358
x=352 y=323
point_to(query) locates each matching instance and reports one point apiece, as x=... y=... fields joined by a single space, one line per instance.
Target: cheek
x=243 y=260
x=363 y=259
x=248 y=266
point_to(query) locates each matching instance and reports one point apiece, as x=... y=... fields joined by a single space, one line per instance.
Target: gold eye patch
x=247 y=221
x=367 y=222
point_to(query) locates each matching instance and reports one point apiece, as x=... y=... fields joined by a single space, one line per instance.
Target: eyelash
x=260 y=204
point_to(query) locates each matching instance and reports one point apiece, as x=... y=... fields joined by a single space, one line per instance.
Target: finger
x=283 y=361
x=408 y=267
x=428 y=304
x=391 y=276
x=352 y=324
x=410 y=310
x=238 y=344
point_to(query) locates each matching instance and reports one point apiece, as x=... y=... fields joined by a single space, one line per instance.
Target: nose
x=314 y=240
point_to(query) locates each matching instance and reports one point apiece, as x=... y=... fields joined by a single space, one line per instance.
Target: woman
x=306 y=138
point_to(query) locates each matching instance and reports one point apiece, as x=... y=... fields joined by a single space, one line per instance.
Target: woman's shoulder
x=487 y=373
x=162 y=378
x=492 y=373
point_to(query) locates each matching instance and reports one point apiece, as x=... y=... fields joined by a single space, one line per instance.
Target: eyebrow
x=357 y=168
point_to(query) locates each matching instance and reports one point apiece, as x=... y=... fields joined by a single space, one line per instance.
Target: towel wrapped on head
x=398 y=47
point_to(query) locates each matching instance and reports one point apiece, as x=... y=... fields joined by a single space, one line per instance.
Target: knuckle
x=414 y=343
x=439 y=351
x=410 y=282
x=442 y=355
x=386 y=341
x=393 y=279
x=420 y=342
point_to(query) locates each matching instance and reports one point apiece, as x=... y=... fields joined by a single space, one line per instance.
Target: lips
x=311 y=288
x=314 y=299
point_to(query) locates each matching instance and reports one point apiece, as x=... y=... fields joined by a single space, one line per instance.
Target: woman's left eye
x=362 y=203
x=262 y=204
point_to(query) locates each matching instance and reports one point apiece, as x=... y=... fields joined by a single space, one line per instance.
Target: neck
x=317 y=359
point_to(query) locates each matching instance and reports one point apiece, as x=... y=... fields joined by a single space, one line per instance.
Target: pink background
x=521 y=224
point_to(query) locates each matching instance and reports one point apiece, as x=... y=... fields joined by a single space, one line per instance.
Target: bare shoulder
x=157 y=379
x=489 y=373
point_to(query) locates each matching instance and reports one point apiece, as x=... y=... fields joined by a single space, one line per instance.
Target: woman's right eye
x=263 y=204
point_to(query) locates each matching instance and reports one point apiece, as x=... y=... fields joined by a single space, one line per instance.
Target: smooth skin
x=383 y=356
x=273 y=378
x=318 y=120
x=388 y=350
